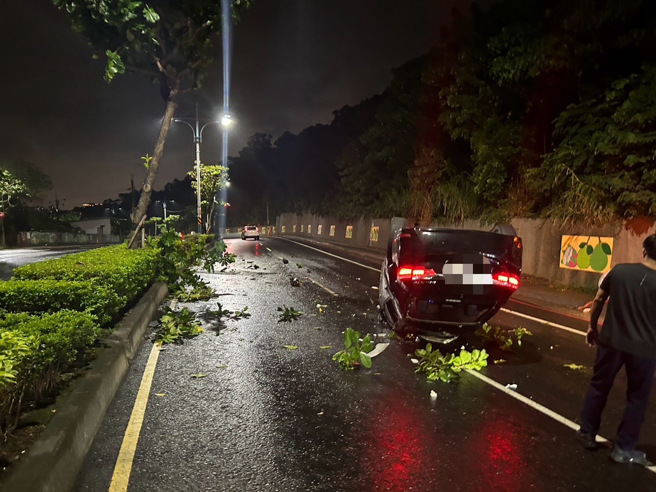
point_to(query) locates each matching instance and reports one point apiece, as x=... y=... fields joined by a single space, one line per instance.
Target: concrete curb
x=55 y=458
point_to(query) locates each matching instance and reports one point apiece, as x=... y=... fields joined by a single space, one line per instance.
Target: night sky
x=294 y=62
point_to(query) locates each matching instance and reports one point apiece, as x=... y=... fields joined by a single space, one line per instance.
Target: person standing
x=627 y=338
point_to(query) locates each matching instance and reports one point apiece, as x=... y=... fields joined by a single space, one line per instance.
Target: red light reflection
x=257 y=248
x=501 y=452
x=396 y=448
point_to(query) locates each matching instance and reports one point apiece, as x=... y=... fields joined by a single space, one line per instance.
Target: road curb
x=55 y=458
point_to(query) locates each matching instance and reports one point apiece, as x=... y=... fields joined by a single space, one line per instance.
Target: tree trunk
x=144 y=200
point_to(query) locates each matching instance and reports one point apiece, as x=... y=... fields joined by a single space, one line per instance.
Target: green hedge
x=34 y=353
x=51 y=314
x=126 y=272
x=50 y=296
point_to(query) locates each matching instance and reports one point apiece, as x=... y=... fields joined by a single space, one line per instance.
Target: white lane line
x=323 y=287
x=540 y=408
x=544 y=322
x=330 y=254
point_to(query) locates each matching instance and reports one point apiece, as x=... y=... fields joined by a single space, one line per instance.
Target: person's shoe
x=619 y=455
x=586 y=440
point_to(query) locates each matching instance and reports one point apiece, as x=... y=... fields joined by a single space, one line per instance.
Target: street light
x=198 y=138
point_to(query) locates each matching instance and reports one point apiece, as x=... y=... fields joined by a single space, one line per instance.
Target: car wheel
x=402 y=328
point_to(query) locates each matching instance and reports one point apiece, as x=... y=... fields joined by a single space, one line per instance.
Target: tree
x=12 y=189
x=212 y=180
x=168 y=41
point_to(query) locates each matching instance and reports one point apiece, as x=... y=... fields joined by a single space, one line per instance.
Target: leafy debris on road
x=574 y=367
x=447 y=367
x=291 y=347
x=176 y=325
x=504 y=338
x=226 y=313
x=198 y=376
x=288 y=314
x=355 y=351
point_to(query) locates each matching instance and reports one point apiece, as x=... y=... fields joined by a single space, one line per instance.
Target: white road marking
x=334 y=256
x=543 y=321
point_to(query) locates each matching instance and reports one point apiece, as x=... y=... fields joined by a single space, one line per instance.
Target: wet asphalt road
x=12 y=258
x=268 y=418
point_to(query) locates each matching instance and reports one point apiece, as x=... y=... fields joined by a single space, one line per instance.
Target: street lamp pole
x=199 y=214
x=198 y=138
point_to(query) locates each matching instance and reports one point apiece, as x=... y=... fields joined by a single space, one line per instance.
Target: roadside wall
x=35 y=238
x=541 y=239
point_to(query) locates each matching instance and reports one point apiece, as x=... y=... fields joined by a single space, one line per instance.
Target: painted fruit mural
x=588 y=253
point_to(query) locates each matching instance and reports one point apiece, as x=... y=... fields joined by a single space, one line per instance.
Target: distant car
x=441 y=283
x=250 y=231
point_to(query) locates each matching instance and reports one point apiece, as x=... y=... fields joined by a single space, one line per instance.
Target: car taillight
x=505 y=279
x=415 y=273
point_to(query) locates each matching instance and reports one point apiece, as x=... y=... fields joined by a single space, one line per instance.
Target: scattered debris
x=285 y=261
x=294 y=282
x=198 y=376
x=512 y=386
x=378 y=349
x=574 y=367
x=433 y=394
x=160 y=394
x=291 y=347
x=288 y=314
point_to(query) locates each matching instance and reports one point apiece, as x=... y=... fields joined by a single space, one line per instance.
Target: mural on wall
x=587 y=253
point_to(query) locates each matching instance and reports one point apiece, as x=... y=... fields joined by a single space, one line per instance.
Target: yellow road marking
x=123 y=468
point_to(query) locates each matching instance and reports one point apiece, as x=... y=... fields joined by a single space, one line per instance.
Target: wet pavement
x=235 y=410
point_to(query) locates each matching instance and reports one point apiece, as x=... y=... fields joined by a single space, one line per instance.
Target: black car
x=443 y=282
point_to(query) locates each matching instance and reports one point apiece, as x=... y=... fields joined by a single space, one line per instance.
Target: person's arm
x=592 y=334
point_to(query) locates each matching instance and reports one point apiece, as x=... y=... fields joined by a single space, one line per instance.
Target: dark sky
x=294 y=62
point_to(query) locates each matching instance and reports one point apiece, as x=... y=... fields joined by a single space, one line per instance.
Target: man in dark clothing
x=627 y=338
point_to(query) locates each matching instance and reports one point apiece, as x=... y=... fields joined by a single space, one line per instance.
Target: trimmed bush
x=126 y=272
x=50 y=296
x=34 y=353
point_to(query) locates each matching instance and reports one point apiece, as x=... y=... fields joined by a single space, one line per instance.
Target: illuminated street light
x=226 y=121
x=198 y=138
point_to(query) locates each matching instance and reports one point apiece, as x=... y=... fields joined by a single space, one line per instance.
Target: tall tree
x=168 y=41
x=212 y=180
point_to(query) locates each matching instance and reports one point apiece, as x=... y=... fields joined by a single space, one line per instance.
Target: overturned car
x=442 y=282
